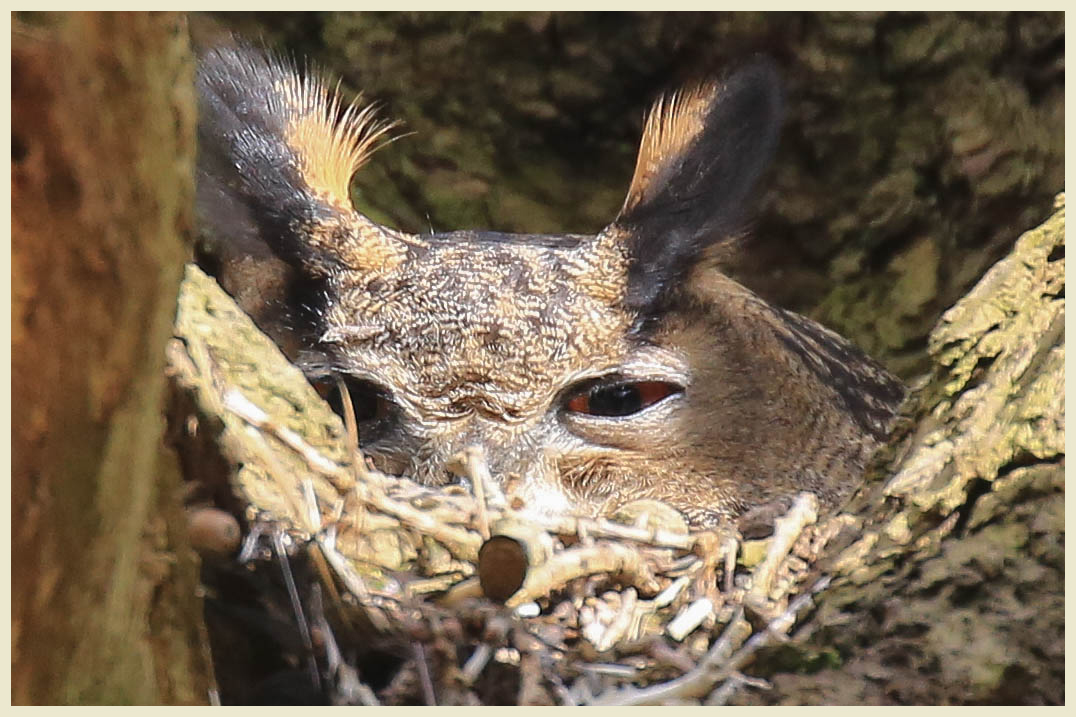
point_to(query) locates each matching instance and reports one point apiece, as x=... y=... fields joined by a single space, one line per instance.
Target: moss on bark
x=951 y=590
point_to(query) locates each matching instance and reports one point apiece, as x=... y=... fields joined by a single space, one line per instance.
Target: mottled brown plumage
x=594 y=371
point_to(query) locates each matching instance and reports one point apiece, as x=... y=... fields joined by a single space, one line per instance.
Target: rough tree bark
x=952 y=591
x=104 y=606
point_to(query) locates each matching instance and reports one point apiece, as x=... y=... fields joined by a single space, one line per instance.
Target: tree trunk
x=952 y=590
x=104 y=606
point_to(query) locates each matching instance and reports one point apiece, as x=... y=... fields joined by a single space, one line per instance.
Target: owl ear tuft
x=702 y=152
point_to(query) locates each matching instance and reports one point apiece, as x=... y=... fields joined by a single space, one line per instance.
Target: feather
x=672 y=124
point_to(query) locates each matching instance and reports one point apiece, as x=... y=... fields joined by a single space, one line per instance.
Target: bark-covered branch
x=952 y=590
x=104 y=585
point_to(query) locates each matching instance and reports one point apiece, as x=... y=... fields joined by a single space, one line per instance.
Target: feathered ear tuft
x=672 y=124
x=276 y=153
x=332 y=142
x=275 y=159
x=702 y=152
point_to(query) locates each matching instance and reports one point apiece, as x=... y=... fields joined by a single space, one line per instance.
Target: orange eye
x=620 y=399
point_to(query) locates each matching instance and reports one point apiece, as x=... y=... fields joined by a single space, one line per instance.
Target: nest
x=404 y=594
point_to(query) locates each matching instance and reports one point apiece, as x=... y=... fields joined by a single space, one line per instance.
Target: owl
x=592 y=370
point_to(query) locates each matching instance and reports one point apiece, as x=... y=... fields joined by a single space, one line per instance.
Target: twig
x=609 y=668
x=313 y=511
x=358 y=461
x=462 y=543
x=478 y=483
x=354 y=689
x=695 y=683
x=669 y=594
x=354 y=583
x=250 y=543
x=476 y=663
x=297 y=607
x=574 y=563
x=720 y=661
x=787 y=529
x=621 y=622
x=424 y=674
x=243 y=407
x=602 y=528
x=316 y=552
x=736 y=680
x=690 y=618
x=660 y=650
x=565 y=695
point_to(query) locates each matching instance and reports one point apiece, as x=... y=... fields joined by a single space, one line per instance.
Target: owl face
x=591 y=370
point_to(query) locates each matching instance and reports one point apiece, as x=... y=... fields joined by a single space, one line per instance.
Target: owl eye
x=624 y=398
x=369 y=401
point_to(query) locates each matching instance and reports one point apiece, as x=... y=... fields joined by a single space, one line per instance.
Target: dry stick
x=602 y=528
x=424 y=674
x=313 y=511
x=354 y=583
x=278 y=472
x=660 y=650
x=478 y=470
x=718 y=663
x=561 y=689
x=476 y=663
x=358 y=461
x=478 y=484
x=728 y=688
x=318 y=556
x=462 y=543
x=777 y=628
x=690 y=618
x=326 y=574
x=326 y=554
x=330 y=563
x=695 y=683
x=574 y=563
x=350 y=578
x=243 y=407
x=787 y=529
x=250 y=543
x=350 y=681
x=297 y=607
x=621 y=622
x=531 y=691
x=731 y=546
x=669 y=594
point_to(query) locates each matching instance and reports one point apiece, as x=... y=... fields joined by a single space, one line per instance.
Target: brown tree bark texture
x=951 y=590
x=103 y=600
